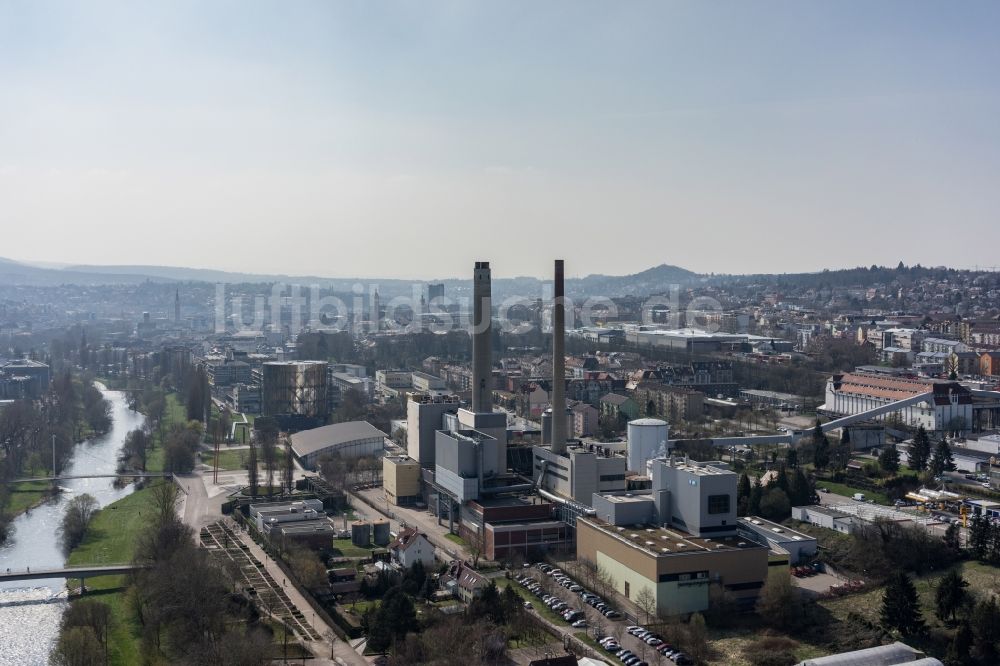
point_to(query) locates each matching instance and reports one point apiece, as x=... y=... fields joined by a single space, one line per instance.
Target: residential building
x=411 y=546
x=463 y=582
x=584 y=420
x=670 y=402
x=619 y=407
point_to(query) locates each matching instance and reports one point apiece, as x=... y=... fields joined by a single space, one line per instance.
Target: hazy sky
x=411 y=139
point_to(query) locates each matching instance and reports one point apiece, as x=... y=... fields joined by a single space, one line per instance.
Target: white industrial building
x=352 y=439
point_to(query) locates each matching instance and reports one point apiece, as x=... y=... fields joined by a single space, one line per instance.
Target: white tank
x=647 y=438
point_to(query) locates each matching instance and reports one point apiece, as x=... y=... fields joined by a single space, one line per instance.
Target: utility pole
x=54 y=457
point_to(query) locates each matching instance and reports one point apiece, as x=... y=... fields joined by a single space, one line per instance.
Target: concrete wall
x=631 y=511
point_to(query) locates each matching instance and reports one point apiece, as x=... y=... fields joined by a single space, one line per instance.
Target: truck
x=859 y=497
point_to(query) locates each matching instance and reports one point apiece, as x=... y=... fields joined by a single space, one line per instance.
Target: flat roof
x=667 y=542
x=629 y=497
x=774 y=531
x=827 y=511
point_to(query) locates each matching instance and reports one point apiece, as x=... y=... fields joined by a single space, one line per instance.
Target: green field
x=348 y=549
x=229 y=460
x=111 y=539
x=848 y=491
x=23 y=496
x=456 y=539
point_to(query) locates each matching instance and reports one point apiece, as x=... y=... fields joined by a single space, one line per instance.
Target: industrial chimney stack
x=482 y=340
x=558 y=364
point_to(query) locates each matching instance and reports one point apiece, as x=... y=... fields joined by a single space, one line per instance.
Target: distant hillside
x=16 y=273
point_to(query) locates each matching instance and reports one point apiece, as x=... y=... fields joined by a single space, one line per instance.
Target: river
x=30 y=611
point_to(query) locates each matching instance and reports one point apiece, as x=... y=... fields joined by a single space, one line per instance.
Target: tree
x=79 y=512
x=697 y=635
x=288 y=467
x=800 y=490
x=756 y=494
x=900 y=606
x=942 y=460
x=950 y=595
x=920 y=450
x=888 y=460
x=774 y=505
x=792 y=458
x=779 y=604
x=952 y=537
x=743 y=495
x=985 y=625
x=252 y=471
x=821 y=447
x=78 y=646
x=960 y=648
x=646 y=601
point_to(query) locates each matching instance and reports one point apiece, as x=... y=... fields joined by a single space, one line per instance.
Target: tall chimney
x=558 y=364
x=482 y=339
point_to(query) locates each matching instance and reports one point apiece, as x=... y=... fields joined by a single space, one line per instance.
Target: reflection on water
x=27 y=630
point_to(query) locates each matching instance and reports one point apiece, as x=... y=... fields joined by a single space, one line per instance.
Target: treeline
x=188 y=609
x=70 y=410
x=481 y=635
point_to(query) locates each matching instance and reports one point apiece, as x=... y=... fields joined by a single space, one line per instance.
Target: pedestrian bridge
x=81 y=572
x=131 y=475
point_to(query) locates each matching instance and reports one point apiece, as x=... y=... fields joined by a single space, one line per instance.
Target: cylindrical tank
x=361 y=534
x=647 y=438
x=547 y=426
x=380 y=529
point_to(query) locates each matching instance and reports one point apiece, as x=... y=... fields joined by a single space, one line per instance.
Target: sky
x=410 y=139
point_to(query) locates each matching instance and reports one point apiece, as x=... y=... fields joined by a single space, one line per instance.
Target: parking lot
x=600 y=620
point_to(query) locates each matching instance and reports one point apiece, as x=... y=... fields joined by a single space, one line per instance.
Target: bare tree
x=646 y=601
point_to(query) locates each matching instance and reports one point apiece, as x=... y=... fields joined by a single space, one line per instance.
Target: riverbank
x=111 y=538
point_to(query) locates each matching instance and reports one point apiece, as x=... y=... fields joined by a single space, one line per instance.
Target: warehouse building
x=352 y=439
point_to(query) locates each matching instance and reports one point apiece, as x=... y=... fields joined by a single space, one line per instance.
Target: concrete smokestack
x=558 y=363
x=482 y=339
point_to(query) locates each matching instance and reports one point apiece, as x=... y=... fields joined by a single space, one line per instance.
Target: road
x=421 y=519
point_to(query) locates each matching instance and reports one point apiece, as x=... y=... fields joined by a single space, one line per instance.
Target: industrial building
x=948 y=405
x=465 y=460
x=352 y=439
x=677 y=568
x=509 y=526
x=778 y=538
x=424 y=417
x=23 y=379
x=401 y=480
x=295 y=391
x=881 y=655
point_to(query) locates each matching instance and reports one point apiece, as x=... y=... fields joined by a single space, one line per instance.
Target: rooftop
x=310 y=441
x=666 y=542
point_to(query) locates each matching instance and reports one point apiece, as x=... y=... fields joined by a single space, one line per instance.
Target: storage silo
x=647 y=438
x=381 y=532
x=361 y=533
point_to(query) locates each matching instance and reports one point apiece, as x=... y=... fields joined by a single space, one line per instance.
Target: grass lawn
x=848 y=491
x=23 y=496
x=348 y=549
x=111 y=539
x=456 y=539
x=229 y=460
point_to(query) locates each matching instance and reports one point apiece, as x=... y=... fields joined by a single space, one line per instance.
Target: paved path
x=426 y=522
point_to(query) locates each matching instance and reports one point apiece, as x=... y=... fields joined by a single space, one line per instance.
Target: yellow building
x=675 y=567
x=401 y=479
